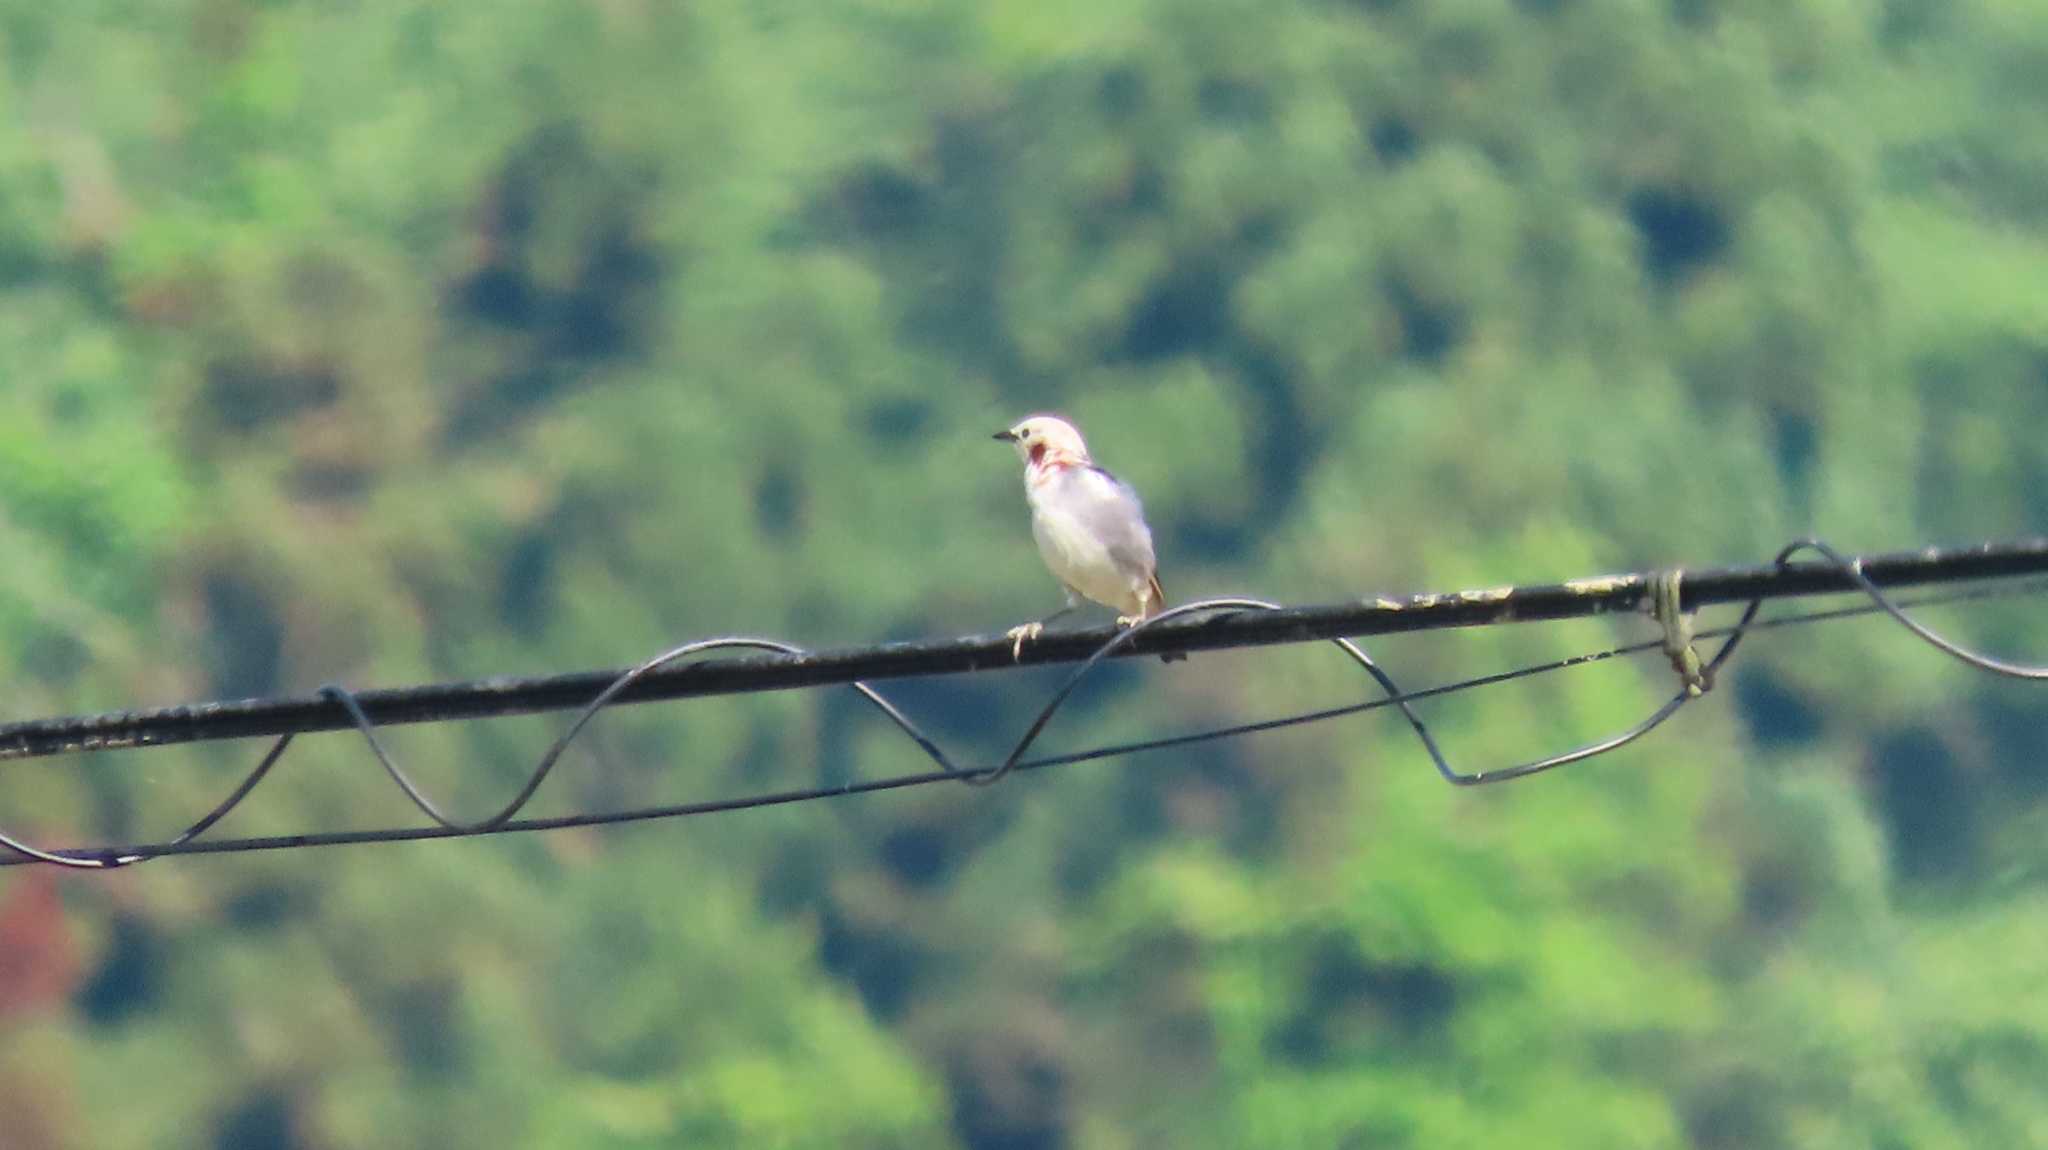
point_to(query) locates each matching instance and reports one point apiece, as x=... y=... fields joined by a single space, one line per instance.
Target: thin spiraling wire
x=505 y=819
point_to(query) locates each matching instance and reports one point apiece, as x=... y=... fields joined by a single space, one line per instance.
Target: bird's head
x=1042 y=439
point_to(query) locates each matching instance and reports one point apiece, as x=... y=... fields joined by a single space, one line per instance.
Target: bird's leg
x=1024 y=632
x=1146 y=609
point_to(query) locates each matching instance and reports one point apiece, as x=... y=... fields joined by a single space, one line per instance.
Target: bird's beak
x=1006 y=436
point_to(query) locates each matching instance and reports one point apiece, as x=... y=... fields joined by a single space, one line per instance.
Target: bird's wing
x=1113 y=514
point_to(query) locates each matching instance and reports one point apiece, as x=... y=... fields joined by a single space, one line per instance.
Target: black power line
x=1669 y=593
x=508 y=695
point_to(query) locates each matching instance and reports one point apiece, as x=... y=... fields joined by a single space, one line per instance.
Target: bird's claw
x=1123 y=621
x=1020 y=634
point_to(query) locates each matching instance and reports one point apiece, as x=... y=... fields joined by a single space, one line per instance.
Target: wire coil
x=1694 y=674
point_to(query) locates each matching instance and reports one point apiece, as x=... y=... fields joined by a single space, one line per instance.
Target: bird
x=1089 y=525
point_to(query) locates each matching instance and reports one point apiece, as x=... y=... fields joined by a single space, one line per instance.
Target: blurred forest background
x=386 y=342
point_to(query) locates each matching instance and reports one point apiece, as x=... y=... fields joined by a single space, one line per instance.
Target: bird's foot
x=1123 y=621
x=1022 y=633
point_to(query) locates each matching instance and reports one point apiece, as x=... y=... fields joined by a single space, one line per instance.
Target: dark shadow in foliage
x=1169 y=1016
x=796 y=875
x=1211 y=536
x=1211 y=791
x=899 y=421
x=959 y=306
x=52 y=652
x=1351 y=1004
x=1120 y=92
x=1010 y=1084
x=1102 y=220
x=1680 y=231
x=923 y=842
x=1695 y=14
x=917 y=855
x=266 y=1120
x=1393 y=140
x=330 y=481
x=1777 y=715
x=424 y=1020
x=266 y=905
x=604 y=311
x=1786 y=876
x=1090 y=859
x=924 y=853
x=1927 y=804
x=129 y=980
x=499 y=294
x=526 y=583
x=1228 y=100
x=2011 y=721
x=245 y=394
x=2007 y=376
x=1117 y=199
x=1795 y=441
x=1776 y=897
x=1968 y=1074
x=1430 y=329
x=779 y=500
x=1284 y=445
x=1904 y=22
x=1460 y=49
x=875 y=202
x=244 y=635
x=1286 y=439
x=1734 y=1111
x=603 y=316
x=1938 y=474
x=1184 y=312
x=1187 y=312
x=879 y=959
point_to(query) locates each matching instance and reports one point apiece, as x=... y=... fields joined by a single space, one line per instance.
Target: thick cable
x=505 y=818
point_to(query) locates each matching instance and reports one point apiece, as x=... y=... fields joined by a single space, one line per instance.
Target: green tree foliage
x=381 y=342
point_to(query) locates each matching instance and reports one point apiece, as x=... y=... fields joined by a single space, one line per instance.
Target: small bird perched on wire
x=1089 y=525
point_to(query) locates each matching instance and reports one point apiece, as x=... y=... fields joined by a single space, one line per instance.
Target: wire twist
x=1665 y=603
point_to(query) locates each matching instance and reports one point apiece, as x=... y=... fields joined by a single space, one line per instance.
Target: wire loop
x=1663 y=600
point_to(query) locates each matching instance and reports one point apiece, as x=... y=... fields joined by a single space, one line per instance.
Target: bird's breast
x=1080 y=558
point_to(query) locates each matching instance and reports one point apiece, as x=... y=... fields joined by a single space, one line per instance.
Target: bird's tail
x=1155 y=602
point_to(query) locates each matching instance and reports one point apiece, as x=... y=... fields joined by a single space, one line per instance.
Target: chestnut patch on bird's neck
x=1037 y=453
